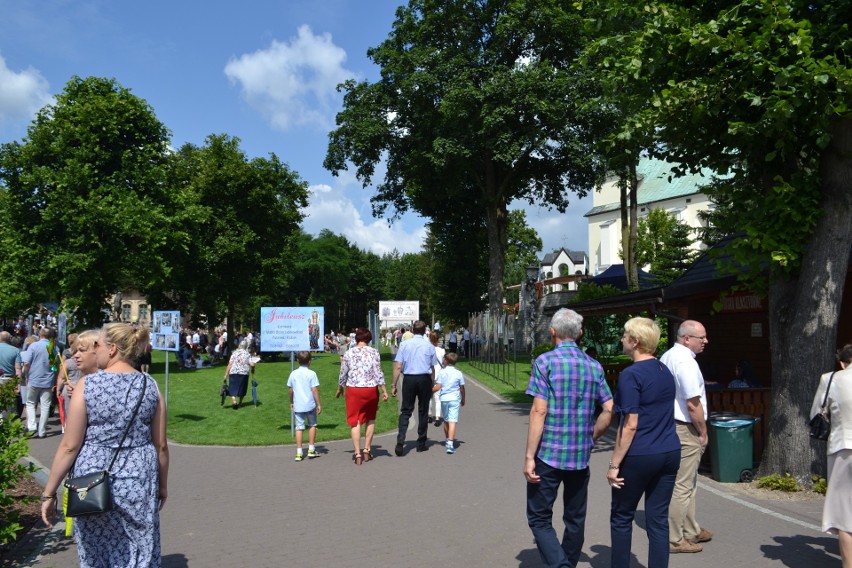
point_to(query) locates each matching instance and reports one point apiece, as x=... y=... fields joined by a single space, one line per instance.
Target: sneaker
x=685 y=546
x=438 y=421
x=451 y=449
x=312 y=453
x=703 y=536
x=299 y=457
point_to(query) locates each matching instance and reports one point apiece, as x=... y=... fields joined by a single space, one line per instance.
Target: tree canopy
x=84 y=203
x=473 y=110
x=760 y=91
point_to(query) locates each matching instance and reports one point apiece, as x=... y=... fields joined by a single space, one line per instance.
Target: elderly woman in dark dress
x=647 y=450
x=237 y=373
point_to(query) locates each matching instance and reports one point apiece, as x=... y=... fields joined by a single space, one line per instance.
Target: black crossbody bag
x=91 y=494
x=821 y=423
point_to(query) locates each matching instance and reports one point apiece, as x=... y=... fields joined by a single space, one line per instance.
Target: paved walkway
x=257 y=507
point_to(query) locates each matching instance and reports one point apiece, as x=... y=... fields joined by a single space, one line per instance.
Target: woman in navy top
x=647 y=450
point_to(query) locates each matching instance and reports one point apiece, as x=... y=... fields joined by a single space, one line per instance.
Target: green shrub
x=779 y=483
x=820 y=484
x=13 y=447
x=541 y=348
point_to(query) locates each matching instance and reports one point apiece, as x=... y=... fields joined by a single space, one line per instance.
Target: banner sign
x=291 y=329
x=391 y=313
x=165 y=331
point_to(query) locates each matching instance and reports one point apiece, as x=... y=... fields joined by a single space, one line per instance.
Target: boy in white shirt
x=305 y=402
x=450 y=382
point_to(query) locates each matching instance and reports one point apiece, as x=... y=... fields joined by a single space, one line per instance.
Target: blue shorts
x=309 y=417
x=450 y=410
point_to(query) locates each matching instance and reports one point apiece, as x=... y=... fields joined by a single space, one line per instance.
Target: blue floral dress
x=129 y=535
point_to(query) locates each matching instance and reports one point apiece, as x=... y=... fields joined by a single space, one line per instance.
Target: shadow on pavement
x=800 y=550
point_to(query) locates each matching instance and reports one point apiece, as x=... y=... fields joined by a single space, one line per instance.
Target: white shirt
x=689 y=381
x=839 y=405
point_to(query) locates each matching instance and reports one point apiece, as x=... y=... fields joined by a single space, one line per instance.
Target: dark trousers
x=654 y=477
x=453 y=347
x=419 y=387
x=540 y=499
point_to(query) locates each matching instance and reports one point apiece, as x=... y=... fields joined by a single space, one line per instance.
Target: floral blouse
x=240 y=362
x=360 y=367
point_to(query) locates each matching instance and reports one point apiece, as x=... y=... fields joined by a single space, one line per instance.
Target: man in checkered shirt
x=565 y=385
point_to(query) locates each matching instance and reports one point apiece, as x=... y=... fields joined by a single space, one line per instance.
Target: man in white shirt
x=690 y=410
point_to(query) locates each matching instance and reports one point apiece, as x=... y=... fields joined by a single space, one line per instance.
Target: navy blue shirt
x=647 y=388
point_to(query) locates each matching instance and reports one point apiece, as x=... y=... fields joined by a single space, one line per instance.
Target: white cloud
x=21 y=94
x=292 y=83
x=331 y=209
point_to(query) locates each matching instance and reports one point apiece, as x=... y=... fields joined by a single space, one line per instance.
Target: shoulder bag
x=91 y=494
x=821 y=423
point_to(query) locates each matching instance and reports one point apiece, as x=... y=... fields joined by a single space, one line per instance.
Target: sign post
x=165 y=336
x=292 y=329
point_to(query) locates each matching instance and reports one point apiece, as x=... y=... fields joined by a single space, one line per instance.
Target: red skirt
x=361 y=405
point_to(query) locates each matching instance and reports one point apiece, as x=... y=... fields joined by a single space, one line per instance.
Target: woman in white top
x=837 y=511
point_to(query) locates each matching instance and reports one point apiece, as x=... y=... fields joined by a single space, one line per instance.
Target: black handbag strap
x=130 y=423
x=828 y=388
x=126 y=429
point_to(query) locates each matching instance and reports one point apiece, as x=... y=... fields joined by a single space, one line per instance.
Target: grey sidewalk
x=257 y=507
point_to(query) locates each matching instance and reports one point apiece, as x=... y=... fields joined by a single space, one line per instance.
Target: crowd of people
x=660 y=412
x=659 y=409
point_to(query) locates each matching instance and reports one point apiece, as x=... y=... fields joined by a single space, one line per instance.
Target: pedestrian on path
x=647 y=449
x=690 y=410
x=362 y=377
x=416 y=360
x=449 y=386
x=565 y=383
x=435 y=403
x=303 y=385
x=837 y=510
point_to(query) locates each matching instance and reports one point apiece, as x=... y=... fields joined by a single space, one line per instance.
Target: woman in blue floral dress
x=129 y=535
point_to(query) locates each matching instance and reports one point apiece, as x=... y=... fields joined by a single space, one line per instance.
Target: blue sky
x=264 y=71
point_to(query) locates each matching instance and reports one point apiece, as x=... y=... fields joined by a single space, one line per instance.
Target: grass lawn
x=197 y=417
x=507 y=391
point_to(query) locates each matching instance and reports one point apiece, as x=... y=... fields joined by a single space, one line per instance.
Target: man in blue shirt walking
x=416 y=360
x=565 y=385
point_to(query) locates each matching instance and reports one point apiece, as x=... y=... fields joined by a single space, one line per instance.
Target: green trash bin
x=732 y=447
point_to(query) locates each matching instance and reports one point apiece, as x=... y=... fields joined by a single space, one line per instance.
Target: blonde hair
x=646 y=332
x=130 y=341
x=88 y=339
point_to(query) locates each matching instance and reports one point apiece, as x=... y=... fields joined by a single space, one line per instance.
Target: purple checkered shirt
x=571 y=382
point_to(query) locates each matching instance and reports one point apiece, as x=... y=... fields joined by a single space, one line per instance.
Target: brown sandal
x=357 y=458
x=367 y=455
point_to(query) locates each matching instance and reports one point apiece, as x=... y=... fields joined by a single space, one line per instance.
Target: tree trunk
x=627 y=186
x=631 y=268
x=497 y=225
x=803 y=316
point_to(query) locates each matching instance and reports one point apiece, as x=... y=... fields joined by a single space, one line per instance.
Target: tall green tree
x=473 y=110
x=83 y=201
x=762 y=90
x=665 y=244
x=243 y=215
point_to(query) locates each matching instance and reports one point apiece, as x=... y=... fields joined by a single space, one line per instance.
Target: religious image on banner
x=291 y=329
x=165 y=331
x=392 y=314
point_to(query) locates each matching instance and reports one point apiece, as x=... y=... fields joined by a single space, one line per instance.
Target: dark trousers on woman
x=652 y=476
x=540 y=499
x=419 y=387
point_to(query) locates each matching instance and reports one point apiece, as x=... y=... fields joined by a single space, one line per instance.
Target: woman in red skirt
x=361 y=375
